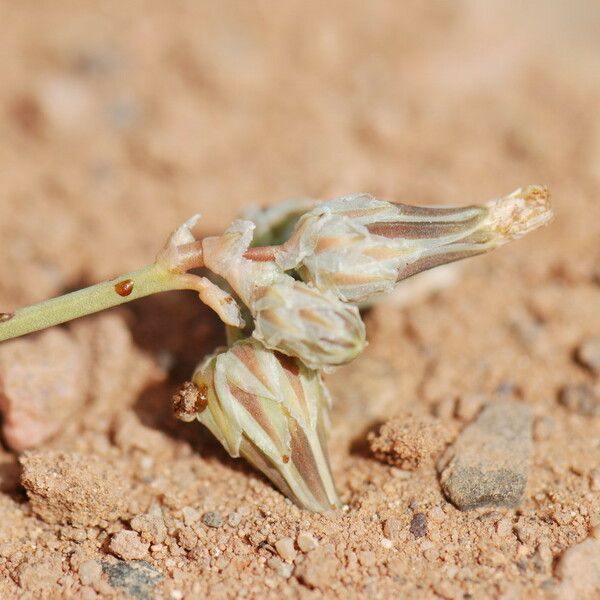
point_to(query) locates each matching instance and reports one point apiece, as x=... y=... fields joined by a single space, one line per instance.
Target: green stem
x=137 y=284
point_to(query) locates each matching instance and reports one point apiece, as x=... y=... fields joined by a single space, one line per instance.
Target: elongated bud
x=290 y=316
x=358 y=246
x=273 y=411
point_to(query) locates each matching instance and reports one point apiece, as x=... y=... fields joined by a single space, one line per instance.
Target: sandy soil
x=121 y=119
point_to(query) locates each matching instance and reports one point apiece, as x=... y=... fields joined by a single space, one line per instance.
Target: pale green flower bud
x=358 y=246
x=273 y=411
x=290 y=316
x=275 y=223
x=301 y=321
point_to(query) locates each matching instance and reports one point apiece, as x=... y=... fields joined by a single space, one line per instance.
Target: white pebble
x=306 y=541
x=386 y=543
x=89 y=571
x=437 y=514
x=285 y=548
x=280 y=567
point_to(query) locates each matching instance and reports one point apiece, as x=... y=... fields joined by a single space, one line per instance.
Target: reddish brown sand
x=119 y=120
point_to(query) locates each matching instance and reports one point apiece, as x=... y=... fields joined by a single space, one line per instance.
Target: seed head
x=274 y=411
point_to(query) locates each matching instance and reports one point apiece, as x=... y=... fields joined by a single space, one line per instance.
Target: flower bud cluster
x=263 y=397
x=290 y=316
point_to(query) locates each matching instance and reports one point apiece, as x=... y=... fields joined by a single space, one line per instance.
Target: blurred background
x=120 y=119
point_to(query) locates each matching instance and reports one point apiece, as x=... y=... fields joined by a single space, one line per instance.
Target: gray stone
x=135 y=578
x=212 y=519
x=488 y=465
x=418 y=525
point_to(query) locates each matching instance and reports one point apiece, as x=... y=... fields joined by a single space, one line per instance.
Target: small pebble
x=392 y=528
x=128 y=545
x=150 y=526
x=437 y=514
x=190 y=515
x=87 y=593
x=588 y=354
x=386 y=543
x=306 y=542
x=581 y=399
x=418 y=525
x=504 y=527
x=281 y=568
x=285 y=548
x=234 y=519
x=426 y=544
x=212 y=519
x=579 y=570
x=89 y=571
x=397 y=473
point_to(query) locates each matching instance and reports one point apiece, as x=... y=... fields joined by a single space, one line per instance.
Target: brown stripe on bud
x=435 y=260
x=413 y=230
x=252 y=404
x=247 y=356
x=433 y=211
x=303 y=459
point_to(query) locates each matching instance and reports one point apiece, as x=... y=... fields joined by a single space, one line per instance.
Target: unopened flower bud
x=301 y=321
x=290 y=316
x=274 y=411
x=358 y=246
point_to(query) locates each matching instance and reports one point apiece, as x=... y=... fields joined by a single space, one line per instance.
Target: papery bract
x=274 y=411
